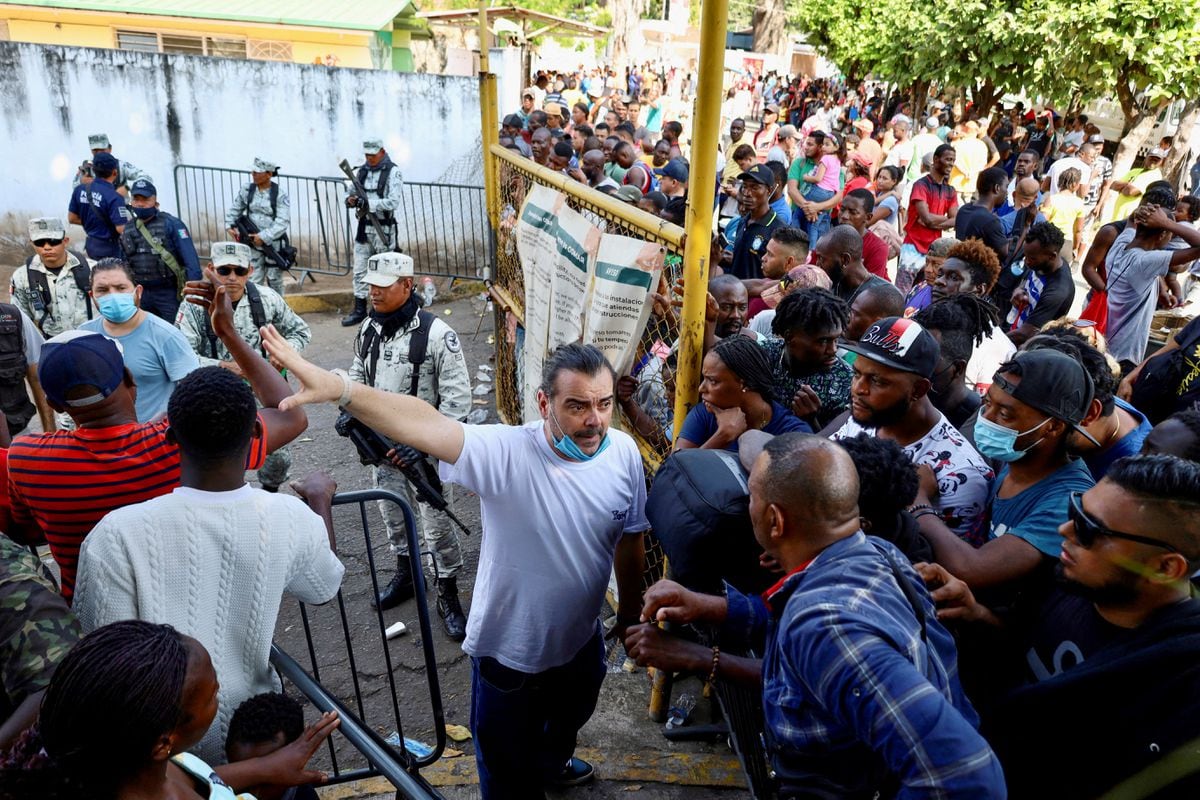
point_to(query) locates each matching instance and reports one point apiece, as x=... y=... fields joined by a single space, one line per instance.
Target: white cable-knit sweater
x=214 y=565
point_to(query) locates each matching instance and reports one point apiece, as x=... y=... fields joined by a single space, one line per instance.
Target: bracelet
x=347 y=385
x=913 y=509
x=924 y=512
x=712 y=676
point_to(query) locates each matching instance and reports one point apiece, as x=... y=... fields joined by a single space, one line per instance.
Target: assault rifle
x=373 y=448
x=360 y=209
x=246 y=231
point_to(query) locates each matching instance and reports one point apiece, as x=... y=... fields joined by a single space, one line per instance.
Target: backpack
x=257 y=313
x=418 y=347
x=699 y=508
x=285 y=249
x=14 y=400
x=43 y=302
x=1163 y=387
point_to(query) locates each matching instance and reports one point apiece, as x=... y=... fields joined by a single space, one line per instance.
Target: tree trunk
x=1180 y=155
x=770 y=28
x=985 y=97
x=1132 y=142
x=625 y=16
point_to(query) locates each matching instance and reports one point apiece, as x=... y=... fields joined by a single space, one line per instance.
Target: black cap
x=1053 y=383
x=901 y=344
x=759 y=173
x=513 y=121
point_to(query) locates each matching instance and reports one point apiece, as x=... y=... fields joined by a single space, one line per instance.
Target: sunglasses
x=1087 y=529
x=47 y=242
x=225 y=271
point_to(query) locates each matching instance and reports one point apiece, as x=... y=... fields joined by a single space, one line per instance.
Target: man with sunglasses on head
x=1036 y=404
x=1110 y=656
x=52 y=287
x=254 y=306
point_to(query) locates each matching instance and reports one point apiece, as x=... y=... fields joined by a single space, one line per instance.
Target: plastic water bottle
x=428 y=291
x=678 y=714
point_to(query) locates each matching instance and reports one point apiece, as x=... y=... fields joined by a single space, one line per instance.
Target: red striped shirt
x=66 y=481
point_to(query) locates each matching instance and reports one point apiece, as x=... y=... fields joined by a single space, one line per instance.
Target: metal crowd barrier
x=442 y=226
x=394 y=763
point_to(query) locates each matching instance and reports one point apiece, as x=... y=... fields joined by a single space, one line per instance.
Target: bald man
x=839 y=254
x=859 y=679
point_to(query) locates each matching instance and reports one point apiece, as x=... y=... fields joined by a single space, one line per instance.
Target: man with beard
x=1046 y=290
x=729 y=295
x=839 y=253
x=807 y=373
x=889 y=397
x=1120 y=624
x=592 y=166
x=1035 y=404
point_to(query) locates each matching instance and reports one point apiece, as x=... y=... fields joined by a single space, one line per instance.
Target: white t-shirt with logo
x=550 y=530
x=963 y=477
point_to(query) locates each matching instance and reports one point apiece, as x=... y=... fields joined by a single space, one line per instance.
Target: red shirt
x=875 y=255
x=941 y=198
x=65 y=482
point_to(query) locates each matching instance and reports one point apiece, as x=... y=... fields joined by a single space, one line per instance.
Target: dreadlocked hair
x=981 y=261
x=964 y=320
x=743 y=356
x=130 y=671
x=812 y=310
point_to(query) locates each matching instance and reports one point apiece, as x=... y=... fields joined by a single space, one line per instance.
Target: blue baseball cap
x=105 y=161
x=676 y=168
x=80 y=358
x=143 y=188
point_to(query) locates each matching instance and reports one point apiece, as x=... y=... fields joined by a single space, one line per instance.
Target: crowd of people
x=969 y=514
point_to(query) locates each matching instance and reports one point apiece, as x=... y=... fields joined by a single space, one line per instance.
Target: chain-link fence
x=654 y=363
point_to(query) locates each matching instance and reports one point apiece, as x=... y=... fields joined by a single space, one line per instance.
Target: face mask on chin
x=566 y=446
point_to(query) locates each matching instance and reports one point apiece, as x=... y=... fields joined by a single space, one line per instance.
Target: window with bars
x=183 y=44
x=267 y=50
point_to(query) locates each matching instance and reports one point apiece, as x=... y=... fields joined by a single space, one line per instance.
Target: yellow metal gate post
x=490 y=126
x=702 y=181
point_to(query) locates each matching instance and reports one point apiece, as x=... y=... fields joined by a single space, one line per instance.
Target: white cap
x=384 y=269
x=932 y=122
x=233 y=254
x=46 y=228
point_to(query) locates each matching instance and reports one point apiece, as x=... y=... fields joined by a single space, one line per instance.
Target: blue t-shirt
x=1129 y=445
x=100 y=209
x=157 y=355
x=1035 y=514
x=700 y=425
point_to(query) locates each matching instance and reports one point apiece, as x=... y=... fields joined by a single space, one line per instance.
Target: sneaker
x=576 y=773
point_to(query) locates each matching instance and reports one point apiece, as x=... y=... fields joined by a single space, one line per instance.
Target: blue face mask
x=117 y=307
x=998 y=442
x=567 y=447
x=144 y=214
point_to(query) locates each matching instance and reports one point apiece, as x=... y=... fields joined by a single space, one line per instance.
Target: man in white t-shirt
x=563 y=504
x=889 y=397
x=214 y=557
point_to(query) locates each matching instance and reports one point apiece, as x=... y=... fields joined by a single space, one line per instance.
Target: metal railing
x=442 y=226
x=358 y=727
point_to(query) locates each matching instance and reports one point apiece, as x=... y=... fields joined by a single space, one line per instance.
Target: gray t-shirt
x=1133 y=276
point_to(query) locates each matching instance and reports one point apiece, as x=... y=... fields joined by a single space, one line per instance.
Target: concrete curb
x=337 y=300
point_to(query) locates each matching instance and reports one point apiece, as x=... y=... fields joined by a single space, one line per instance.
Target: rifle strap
x=418 y=349
x=258 y=314
x=166 y=256
x=39 y=283
x=274 y=198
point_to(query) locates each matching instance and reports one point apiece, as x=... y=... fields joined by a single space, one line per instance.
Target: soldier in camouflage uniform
x=382 y=181
x=270 y=209
x=52 y=287
x=384 y=356
x=36 y=631
x=231 y=268
x=126 y=173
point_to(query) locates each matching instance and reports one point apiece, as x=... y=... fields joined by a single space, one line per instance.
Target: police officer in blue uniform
x=100 y=210
x=159 y=251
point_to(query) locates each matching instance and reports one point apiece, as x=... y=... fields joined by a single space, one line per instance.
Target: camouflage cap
x=98 y=141
x=262 y=165
x=372 y=146
x=384 y=269
x=230 y=253
x=46 y=228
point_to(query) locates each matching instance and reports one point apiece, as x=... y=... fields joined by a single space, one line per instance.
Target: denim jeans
x=525 y=725
x=820 y=226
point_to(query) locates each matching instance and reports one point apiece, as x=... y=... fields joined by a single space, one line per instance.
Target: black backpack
x=1170 y=382
x=43 y=302
x=699 y=507
x=257 y=313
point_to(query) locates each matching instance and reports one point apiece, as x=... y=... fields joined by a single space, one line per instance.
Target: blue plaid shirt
x=850 y=685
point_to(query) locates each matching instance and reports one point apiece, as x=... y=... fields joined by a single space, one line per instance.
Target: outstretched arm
x=400 y=417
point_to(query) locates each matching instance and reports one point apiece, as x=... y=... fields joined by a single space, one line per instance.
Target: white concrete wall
x=163 y=110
